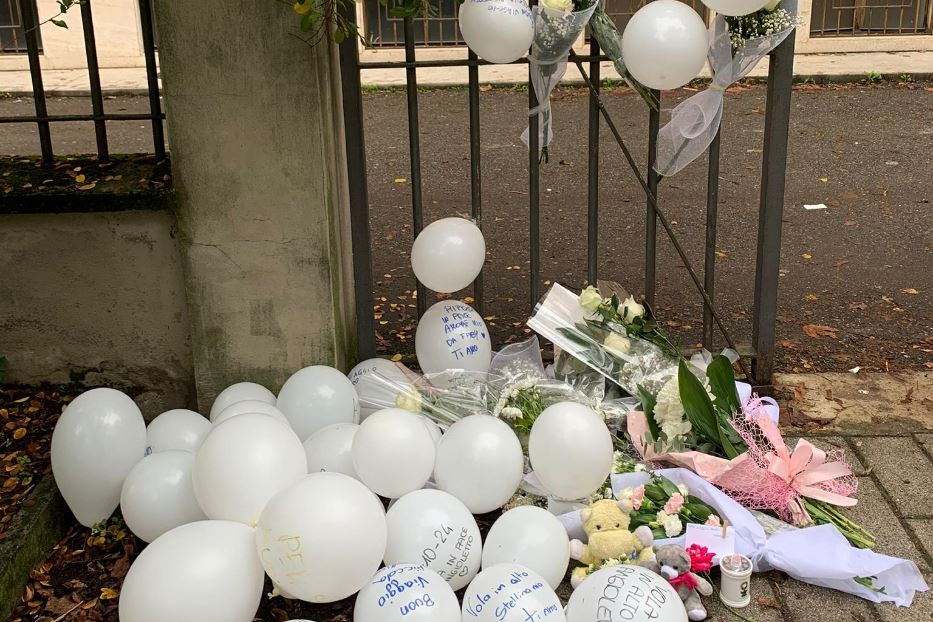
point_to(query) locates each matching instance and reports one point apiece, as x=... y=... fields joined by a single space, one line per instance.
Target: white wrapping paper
x=816 y=555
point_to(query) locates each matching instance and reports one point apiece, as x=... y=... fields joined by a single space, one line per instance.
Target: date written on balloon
x=456 y=565
x=509 y=597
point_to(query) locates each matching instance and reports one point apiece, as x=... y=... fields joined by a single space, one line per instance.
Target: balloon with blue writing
x=316 y=397
x=480 y=462
x=626 y=592
x=435 y=529
x=406 y=592
x=322 y=539
x=532 y=537
x=452 y=335
x=448 y=254
x=179 y=429
x=664 y=45
x=239 y=392
x=570 y=449
x=500 y=31
x=378 y=383
x=511 y=593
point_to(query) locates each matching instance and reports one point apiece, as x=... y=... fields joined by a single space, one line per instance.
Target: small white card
x=710 y=536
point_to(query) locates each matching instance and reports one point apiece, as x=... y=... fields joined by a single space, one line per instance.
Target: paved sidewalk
x=829 y=67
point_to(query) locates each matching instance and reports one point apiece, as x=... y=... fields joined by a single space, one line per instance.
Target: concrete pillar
x=256 y=136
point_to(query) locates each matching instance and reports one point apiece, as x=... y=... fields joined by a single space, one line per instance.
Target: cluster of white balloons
x=664 y=44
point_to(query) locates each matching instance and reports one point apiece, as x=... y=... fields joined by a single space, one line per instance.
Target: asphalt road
x=863 y=266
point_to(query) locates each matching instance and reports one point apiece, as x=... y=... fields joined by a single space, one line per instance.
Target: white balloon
x=480 y=462
x=433 y=528
x=406 y=592
x=531 y=537
x=242 y=463
x=97 y=440
x=452 y=335
x=570 y=449
x=206 y=571
x=239 y=392
x=177 y=429
x=323 y=538
x=158 y=495
x=377 y=392
x=433 y=428
x=664 y=44
x=331 y=449
x=393 y=452
x=316 y=397
x=626 y=592
x=735 y=7
x=500 y=31
x=247 y=407
x=511 y=593
x=448 y=254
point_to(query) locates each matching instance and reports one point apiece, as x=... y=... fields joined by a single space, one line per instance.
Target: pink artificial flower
x=638 y=496
x=713 y=520
x=674 y=504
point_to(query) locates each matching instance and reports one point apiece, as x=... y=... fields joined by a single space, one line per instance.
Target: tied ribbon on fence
x=555 y=33
x=695 y=122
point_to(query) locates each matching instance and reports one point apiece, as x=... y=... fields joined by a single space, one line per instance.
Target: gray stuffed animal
x=675 y=566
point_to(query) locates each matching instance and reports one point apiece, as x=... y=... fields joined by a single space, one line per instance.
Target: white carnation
x=511 y=412
x=683 y=490
x=669 y=411
x=670 y=522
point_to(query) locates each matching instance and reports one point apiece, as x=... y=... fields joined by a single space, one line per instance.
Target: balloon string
x=653 y=201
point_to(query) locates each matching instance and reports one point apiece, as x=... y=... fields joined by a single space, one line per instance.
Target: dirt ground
x=856 y=287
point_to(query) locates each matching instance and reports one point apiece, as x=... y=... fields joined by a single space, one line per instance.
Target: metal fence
x=28 y=29
x=834 y=18
x=770 y=210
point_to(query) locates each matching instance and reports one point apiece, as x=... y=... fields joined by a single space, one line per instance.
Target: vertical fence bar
x=414 y=145
x=352 y=96
x=534 y=198
x=31 y=31
x=651 y=219
x=93 y=74
x=771 y=208
x=476 y=180
x=592 y=190
x=712 y=209
x=152 y=77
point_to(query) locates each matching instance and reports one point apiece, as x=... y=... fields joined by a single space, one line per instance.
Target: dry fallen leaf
x=811 y=298
x=807 y=256
x=79 y=179
x=108 y=593
x=396 y=358
x=468 y=300
x=20 y=433
x=818 y=331
x=89 y=186
x=909 y=290
x=400 y=180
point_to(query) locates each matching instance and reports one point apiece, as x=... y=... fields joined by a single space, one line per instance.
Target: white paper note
x=710 y=536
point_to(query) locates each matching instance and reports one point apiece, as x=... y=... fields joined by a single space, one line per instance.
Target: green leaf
x=59 y=22
x=697 y=405
x=648 y=403
x=308 y=21
x=722 y=381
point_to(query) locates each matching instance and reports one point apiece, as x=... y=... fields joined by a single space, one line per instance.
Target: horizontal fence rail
x=780 y=78
x=31 y=42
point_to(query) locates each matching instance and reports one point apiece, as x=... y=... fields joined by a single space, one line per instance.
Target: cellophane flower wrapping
x=555 y=34
x=695 y=122
x=628 y=361
x=607 y=34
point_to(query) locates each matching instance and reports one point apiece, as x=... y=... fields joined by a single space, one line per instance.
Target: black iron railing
x=42 y=118
x=761 y=352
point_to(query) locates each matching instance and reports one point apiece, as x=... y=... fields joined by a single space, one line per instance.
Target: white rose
x=409 y=400
x=511 y=412
x=772 y=4
x=563 y=6
x=617 y=344
x=632 y=310
x=589 y=297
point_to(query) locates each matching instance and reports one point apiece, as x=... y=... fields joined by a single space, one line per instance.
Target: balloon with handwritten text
x=628 y=593
x=511 y=593
x=406 y=592
x=452 y=335
x=434 y=528
x=448 y=254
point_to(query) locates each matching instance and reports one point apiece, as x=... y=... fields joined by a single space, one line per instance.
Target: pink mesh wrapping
x=771 y=477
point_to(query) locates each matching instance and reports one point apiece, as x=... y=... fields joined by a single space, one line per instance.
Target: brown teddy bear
x=677 y=566
x=605 y=523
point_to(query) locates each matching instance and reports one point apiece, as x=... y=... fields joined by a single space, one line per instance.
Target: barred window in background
x=833 y=18
x=12 y=39
x=437 y=30
x=622 y=10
